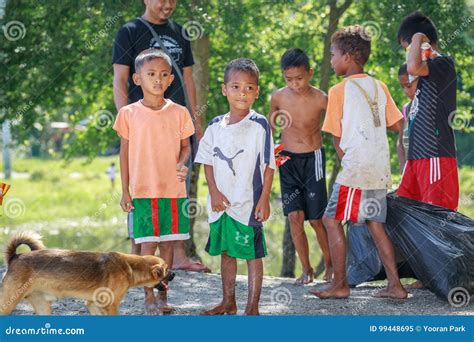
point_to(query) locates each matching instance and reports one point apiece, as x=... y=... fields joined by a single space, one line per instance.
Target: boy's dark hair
x=354 y=41
x=241 y=65
x=416 y=22
x=149 y=55
x=293 y=58
x=403 y=70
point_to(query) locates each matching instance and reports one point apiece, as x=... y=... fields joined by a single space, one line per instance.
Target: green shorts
x=160 y=219
x=236 y=239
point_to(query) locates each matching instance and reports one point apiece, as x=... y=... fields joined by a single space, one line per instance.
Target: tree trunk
x=6 y=137
x=201 y=78
x=288 y=258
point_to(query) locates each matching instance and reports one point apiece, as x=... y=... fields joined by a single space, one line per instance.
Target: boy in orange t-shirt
x=154 y=150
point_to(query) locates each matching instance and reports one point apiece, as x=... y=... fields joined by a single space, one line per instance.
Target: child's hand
x=262 y=210
x=182 y=171
x=421 y=37
x=218 y=201
x=126 y=202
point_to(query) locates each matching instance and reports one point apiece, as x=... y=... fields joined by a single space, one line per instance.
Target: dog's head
x=160 y=273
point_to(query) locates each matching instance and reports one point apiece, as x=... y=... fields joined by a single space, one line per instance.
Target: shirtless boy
x=303 y=176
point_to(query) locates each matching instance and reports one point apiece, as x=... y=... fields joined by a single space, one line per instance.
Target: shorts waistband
x=301 y=155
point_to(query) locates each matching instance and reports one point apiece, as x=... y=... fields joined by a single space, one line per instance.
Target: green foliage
x=61 y=70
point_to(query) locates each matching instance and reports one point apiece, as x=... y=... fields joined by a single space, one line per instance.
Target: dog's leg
x=94 y=309
x=41 y=305
x=11 y=295
x=112 y=309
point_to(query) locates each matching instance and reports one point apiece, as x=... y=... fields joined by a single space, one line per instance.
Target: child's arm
x=401 y=152
x=397 y=126
x=336 y=142
x=184 y=154
x=126 y=201
x=273 y=108
x=218 y=201
x=415 y=66
x=262 y=210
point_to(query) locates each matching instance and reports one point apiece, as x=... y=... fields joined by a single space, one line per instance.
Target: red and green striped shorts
x=160 y=219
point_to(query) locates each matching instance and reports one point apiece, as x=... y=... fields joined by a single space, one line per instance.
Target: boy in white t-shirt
x=360 y=109
x=237 y=153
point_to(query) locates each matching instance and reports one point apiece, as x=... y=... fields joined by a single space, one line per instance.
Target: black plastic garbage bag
x=363 y=262
x=432 y=244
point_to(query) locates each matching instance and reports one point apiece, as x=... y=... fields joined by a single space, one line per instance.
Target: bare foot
x=306 y=278
x=395 y=293
x=164 y=307
x=417 y=285
x=336 y=292
x=328 y=274
x=192 y=266
x=221 y=309
x=252 y=312
x=151 y=309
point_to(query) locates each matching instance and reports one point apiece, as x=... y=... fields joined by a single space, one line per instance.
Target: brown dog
x=102 y=279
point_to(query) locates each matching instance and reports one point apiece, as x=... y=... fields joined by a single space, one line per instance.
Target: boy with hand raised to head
x=303 y=175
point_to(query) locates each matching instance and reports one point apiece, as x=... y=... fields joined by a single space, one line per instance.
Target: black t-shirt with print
x=430 y=133
x=134 y=37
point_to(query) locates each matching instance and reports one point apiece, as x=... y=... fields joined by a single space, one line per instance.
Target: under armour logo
x=245 y=237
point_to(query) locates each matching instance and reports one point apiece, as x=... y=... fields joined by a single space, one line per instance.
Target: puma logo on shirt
x=218 y=153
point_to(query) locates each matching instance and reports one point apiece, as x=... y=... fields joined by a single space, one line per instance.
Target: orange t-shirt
x=154 y=138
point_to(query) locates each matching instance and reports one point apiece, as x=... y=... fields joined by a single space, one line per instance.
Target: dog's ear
x=158 y=271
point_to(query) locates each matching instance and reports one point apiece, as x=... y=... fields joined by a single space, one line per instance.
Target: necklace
x=373 y=104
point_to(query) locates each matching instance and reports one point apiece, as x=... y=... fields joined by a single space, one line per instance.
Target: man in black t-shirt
x=131 y=39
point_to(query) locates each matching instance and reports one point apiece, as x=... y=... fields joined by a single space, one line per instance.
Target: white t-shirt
x=111 y=172
x=239 y=154
x=366 y=161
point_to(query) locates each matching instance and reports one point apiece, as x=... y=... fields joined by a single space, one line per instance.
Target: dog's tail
x=31 y=239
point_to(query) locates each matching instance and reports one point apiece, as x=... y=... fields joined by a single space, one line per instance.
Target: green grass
x=73 y=206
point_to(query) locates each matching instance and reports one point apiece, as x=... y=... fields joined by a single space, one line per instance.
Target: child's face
x=241 y=90
x=154 y=77
x=408 y=88
x=161 y=9
x=339 y=61
x=297 y=78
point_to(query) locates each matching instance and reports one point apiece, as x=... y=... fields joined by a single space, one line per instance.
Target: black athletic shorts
x=303 y=183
